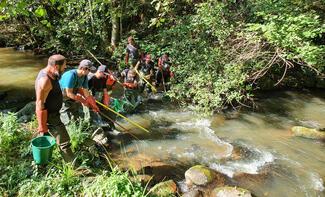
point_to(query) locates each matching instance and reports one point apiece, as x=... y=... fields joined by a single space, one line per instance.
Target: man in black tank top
x=49 y=102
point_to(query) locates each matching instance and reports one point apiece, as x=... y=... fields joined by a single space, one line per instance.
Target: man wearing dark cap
x=97 y=86
x=74 y=85
x=48 y=104
x=147 y=71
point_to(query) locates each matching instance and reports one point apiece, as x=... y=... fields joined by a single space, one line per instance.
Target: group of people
x=141 y=63
x=60 y=95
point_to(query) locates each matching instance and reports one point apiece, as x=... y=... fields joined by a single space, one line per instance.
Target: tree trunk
x=115 y=19
x=115 y=30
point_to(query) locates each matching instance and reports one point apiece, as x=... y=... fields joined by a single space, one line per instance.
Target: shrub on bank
x=19 y=176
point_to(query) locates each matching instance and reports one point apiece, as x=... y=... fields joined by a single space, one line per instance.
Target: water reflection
x=18 y=71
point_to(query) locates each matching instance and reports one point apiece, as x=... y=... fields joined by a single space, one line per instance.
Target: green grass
x=20 y=177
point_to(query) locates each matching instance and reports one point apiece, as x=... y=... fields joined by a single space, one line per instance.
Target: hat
x=87 y=64
x=101 y=68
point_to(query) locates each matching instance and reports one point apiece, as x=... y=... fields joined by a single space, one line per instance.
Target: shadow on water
x=18 y=70
x=16 y=98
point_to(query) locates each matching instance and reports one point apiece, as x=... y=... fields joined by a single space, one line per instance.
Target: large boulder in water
x=167 y=188
x=308 y=133
x=202 y=176
x=150 y=165
x=230 y=192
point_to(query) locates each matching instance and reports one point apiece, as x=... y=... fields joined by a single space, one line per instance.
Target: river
x=18 y=70
x=279 y=163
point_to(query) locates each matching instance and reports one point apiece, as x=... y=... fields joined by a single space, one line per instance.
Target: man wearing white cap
x=74 y=85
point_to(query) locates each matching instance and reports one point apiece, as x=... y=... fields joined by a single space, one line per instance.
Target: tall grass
x=20 y=177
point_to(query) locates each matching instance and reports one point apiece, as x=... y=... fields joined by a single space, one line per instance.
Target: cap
x=87 y=64
x=101 y=68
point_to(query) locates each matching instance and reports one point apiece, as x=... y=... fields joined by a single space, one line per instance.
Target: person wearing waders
x=164 y=73
x=74 y=85
x=97 y=86
x=132 y=55
x=48 y=104
x=130 y=84
x=147 y=72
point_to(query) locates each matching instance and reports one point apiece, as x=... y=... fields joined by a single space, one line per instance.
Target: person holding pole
x=164 y=74
x=146 y=73
x=74 y=85
x=97 y=86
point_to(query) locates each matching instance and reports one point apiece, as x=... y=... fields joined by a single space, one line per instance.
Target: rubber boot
x=66 y=152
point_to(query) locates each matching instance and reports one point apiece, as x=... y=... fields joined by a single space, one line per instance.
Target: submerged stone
x=230 y=192
x=199 y=175
x=167 y=188
x=149 y=165
x=308 y=133
x=193 y=193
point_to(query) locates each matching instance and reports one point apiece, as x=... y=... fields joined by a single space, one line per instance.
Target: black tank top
x=53 y=102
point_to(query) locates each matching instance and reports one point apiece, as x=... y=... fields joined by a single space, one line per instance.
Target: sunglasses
x=87 y=68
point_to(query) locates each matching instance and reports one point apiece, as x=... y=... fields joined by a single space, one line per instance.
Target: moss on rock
x=199 y=175
x=164 y=189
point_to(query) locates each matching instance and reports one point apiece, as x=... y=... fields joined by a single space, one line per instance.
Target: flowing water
x=269 y=161
x=18 y=70
x=272 y=161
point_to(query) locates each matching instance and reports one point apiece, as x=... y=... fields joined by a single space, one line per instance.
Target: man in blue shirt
x=74 y=86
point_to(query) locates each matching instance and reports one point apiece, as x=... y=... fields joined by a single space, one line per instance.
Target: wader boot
x=59 y=132
x=69 y=111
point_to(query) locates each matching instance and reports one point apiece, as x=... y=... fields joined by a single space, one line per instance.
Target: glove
x=41 y=116
x=81 y=92
x=110 y=80
x=92 y=103
x=81 y=100
x=106 y=99
x=130 y=85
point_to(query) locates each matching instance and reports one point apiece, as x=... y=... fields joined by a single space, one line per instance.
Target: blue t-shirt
x=70 y=79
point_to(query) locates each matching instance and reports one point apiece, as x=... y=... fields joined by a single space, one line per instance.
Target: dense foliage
x=222 y=50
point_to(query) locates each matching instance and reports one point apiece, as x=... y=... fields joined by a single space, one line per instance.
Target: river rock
x=27 y=112
x=150 y=165
x=308 y=133
x=320 y=82
x=167 y=188
x=201 y=176
x=193 y=193
x=230 y=192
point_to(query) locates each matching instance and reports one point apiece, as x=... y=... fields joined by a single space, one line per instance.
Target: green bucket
x=42 y=148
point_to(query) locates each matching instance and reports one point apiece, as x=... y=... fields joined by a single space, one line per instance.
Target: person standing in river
x=49 y=102
x=97 y=87
x=147 y=72
x=164 y=73
x=74 y=85
x=133 y=54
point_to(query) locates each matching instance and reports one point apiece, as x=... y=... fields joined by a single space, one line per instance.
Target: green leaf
x=3 y=4
x=40 y=12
